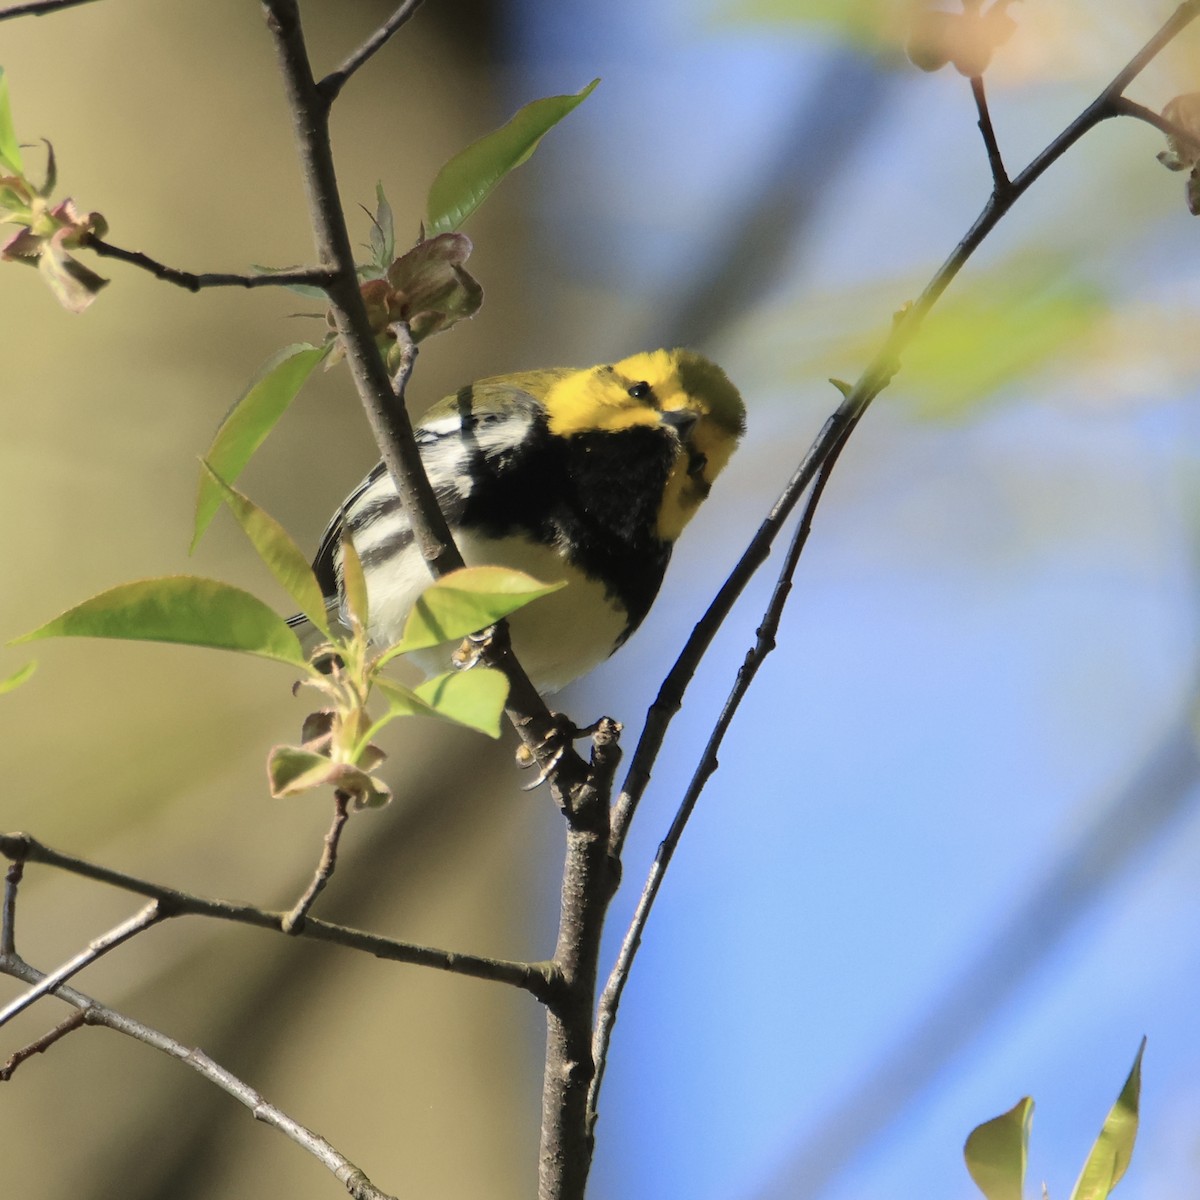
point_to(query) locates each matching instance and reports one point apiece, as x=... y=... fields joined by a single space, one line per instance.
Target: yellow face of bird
x=656 y=389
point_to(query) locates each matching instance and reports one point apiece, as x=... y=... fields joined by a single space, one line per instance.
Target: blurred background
x=949 y=858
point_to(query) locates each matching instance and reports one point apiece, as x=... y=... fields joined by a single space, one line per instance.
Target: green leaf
x=1003 y=327
x=996 y=1152
x=1113 y=1149
x=383 y=232
x=473 y=698
x=467 y=180
x=292 y=770
x=354 y=582
x=183 y=609
x=464 y=602
x=248 y=422
x=18 y=677
x=10 y=148
x=874 y=25
x=276 y=548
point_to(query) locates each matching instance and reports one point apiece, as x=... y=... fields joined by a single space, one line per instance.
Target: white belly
x=557 y=638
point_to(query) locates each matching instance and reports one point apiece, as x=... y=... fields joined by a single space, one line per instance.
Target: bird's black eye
x=640 y=391
x=696 y=465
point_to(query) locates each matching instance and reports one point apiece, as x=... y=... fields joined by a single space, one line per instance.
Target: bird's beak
x=682 y=420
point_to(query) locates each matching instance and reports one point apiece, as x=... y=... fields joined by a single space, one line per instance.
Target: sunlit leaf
x=18 y=677
x=278 y=551
x=987 y=335
x=383 y=231
x=474 y=698
x=464 y=602
x=1110 y=1155
x=997 y=1150
x=466 y=181
x=183 y=609
x=354 y=582
x=248 y=422
x=293 y=770
x=10 y=148
x=875 y=25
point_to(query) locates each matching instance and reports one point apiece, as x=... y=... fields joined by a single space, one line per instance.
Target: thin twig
x=818 y=462
x=97 y=948
x=312 y=276
x=610 y=999
x=872 y=381
x=332 y=84
x=95 y=1013
x=293 y=922
x=535 y=978
x=8 y=908
x=386 y=412
x=38 y=8
x=1000 y=180
x=1131 y=108
x=40 y=1045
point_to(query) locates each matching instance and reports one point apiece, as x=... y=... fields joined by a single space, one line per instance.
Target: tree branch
x=40 y=1045
x=38 y=8
x=879 y=372
x=332 y=84
x=1000 y=180
x=313 y=276
x=535 y=978
x=610 y=1000
x=351 y=1177
x=386 y=412
x=818 y=463
x=589 y=880
x=138 y=923
x=293 y=922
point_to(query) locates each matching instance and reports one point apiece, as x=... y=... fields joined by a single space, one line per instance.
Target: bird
x=586 y=476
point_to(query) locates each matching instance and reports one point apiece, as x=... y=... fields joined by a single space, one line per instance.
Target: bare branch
x=1000 y=180
x=38 y=8
x=386 y=411
x=1130 y=108
x=313 y=276
x=293 y=922
x=138 y=923
x=93 y=1012
x=535 y=978
x=40 y=1045
x=879 y=372
x=610 y=1000
x=8 y=908
x=332 y=84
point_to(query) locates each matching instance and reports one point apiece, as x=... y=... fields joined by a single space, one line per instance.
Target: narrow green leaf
x=465 y=601
x=276 y=548
x=473 y=698
x=10 y=148
x=183 y=609
x=1110 y=1155
x=874 y=25
x=997 y=1150
x=18 y=677
x=383 y=232
x=248 y=422
x=354 y=582
x=467 y=180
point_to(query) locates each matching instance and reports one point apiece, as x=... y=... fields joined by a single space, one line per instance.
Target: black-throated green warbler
x=583 y=475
